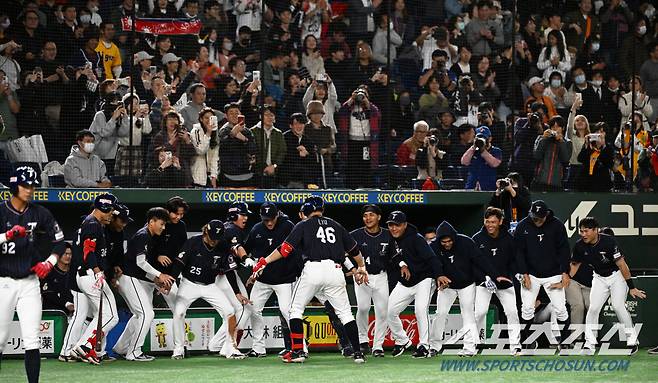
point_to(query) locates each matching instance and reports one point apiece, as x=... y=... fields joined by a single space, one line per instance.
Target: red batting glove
x=260 y=265
x=42 y=269
x=17 y=231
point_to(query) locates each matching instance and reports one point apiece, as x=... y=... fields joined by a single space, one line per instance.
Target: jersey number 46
x=326 y=234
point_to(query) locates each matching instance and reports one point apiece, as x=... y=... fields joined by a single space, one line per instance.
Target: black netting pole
x=515 y=83
x=630 y=178
x=132 y=95
x=387 y=122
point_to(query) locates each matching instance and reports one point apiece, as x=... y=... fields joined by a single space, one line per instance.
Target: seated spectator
x=83 y=168
x=323 y=143
x=129 y=158
x=406 y=153
x=597 y=158
x=430 y=159
x=297 y=169
x=513 y=198
x=325 y=92
x=482 y=159
x=174 y=138
x=205 y=140
x=270 y=149
x=169 y=172
x=648 y=164
x=237 y=150
x=553 y=151
x=55 y=288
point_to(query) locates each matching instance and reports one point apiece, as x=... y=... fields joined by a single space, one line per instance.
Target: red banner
x=163 y=26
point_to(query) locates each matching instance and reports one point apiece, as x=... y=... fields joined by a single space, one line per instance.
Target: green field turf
x=323 y=367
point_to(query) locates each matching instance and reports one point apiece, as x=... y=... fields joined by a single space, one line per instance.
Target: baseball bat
x=99 y=326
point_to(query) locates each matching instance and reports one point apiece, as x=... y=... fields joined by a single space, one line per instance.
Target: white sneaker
x=466 y=353
x=177 y=357
x=236 y=354
x=142 y=358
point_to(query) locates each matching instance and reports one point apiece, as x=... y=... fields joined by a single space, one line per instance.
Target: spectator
x=485 y=81
x=171 y=64
x=317 y=13
x=597 y=158
x=226 y=92
x=245 y=48
x=9 y=108
x=531 y=38
x=248 y=13
x=87 y=53
x=482 y=159
x=641 y=100
x=123 y=10
x=552 y=151
x=174 y=138
x=437 y=68
x=270 y=149
x=406 y=153
x=554 y=57
x=108 y=51
x=432 y=39
x=624 y=141
x=311 y=58
x=274 y=78
x=558 y=94
x=649 y=76
x=359 y=131
x=187 y=46
x=363 y=67
x=237 y=70
x=31 y=38
x=225 y=54
x=208 y=71
x=160 y=9
x=577 y=132
x=237 y=150
x=214 y=17
x=168 y=174
x=433 y=101
x=634 y=51
x=9 y=66
x=554 y=24
x=603 y=100
x=458 y=146
x=190 y=112
x=482 y=33
x=297 y=169
x=590 y=58
x=526 y=131
x=513 y=198
x=336 y=66
x=648 y=164
x=362 y=20
x=456 y=26
x=325 y=92
x=163 y=46
x=430 y=160
x=324 y=143
x=463 y=101
x=337 y=32
x=129 y=157
x=536 y=87
x=463 y=64
x=83 y=168
x=294 y=93
x=384 y=50
x=581 y=24
x=205 y=140
x=67 y=33
x=106 y=126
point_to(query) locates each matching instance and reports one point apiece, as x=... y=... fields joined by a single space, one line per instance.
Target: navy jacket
x=412 y=248
x=542 y=251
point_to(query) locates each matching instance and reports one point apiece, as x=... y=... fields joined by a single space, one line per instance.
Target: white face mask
x=580 y=79
x=642 y=30
x=85 y=19
x=228 y=46
x=555 y=83
x=595 y=47
x=94 y=9
x=597 y=83
x=461 y=25
x=5 y=24
x=88 y=147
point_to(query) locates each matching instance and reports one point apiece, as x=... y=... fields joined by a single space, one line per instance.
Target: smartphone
x=213 y=122
x=168 y=155
x=153 y=70
x=256 y=75
x=88 y=65
x=241 y=119
x=321 y=77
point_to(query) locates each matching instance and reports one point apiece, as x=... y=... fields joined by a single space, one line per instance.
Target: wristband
x=52 y=259
x=402 y=264
x=630 y=284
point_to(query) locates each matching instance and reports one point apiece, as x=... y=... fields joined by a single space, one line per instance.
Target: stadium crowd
x=335 y=93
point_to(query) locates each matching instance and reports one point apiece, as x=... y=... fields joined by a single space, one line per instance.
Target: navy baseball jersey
x=172 y=240
x=142 y=243
x=321 y=238
x=261 y=242
x=601 y=256
x=55 y=290
x=234 y=234
x=373 y=248
x=90 y=246
x=198 y=262
x=115 y=252
x=18 y=256
x=499 y=252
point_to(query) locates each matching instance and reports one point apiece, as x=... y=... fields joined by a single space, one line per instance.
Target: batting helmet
x=316 y=202
x=306 y=209
x=23 y=175
x=236 y=209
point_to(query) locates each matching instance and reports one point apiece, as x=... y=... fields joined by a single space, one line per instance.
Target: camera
x=503 y=183
x=479 y=143
x=535 y=119
x=360 y=96
x=464 y=81
x=553 y=133
x=485 y=116
x=433 y=140
x=594 y=137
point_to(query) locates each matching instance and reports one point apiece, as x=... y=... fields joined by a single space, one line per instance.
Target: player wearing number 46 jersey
x=199 y=262
x=612 y=279
x=322 y=243
x=31 y=231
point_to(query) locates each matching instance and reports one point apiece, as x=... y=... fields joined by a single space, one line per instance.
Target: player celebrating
x=373 y=241
x=89 y=255
x=139 y=281
x=419 y=269
x=497 y=245
x=322 y=243
x=198 y=261
x=543 y=253
x=114 y=232
x=264 y=238
x=612 y=278
x=21 y=262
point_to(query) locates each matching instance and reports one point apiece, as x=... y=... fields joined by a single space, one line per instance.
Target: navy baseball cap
x=538 y=209
x=105 y=202
x=268 y=211
x=215 y=229
x=371 y=208
x=397 y=217
x=122 y=211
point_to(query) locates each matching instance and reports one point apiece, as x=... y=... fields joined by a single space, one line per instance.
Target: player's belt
x=324 y=260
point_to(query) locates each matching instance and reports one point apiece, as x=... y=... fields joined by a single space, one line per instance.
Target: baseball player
x=171 y=241
x=229 y=281
x=199 y=261
x=114 y=233
x=31 y=229
x=612 y=278
x=459 y=255
x=55 y=289
x=419 y=269
x=322 y=243
x=542 y=253
x=139 y=280
x=90 y=260
x=264 y=238
x=496 y=244
x=373 y=241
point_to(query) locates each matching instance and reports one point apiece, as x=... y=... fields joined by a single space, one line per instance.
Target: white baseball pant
x=187 y=294
x=613 y=286
x=556 y=296
x=260 y=293
x=376 y=291
x=242 y=314
x=77 y=321
x=400 y=298
x=23 y=296
x=444 y=300
x=110 y=315
x=138 y=295
x=507 y=298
